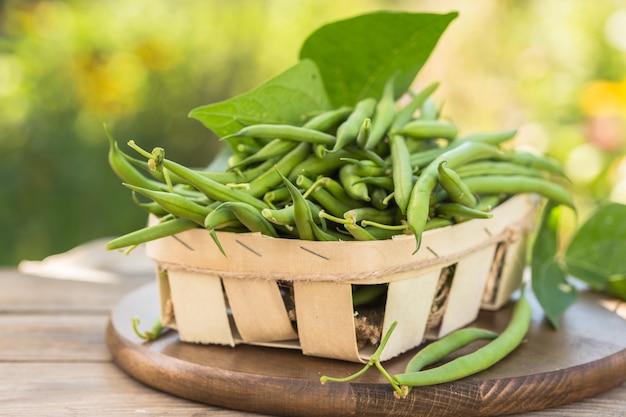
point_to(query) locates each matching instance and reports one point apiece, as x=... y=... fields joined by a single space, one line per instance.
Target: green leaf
x=597 y=252
x=549 y=282
x=283 y=99
x=357 y=56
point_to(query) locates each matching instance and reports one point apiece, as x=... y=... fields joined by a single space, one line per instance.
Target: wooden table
x=54 y=361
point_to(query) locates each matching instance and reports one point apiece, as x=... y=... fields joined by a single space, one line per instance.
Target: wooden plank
x=25 y=293
x=88 y=389
x=62 y=337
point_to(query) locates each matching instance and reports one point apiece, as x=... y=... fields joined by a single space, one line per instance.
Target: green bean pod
x=153 y=232
x=348 y=131
x=424 y=129
x=439 y=349
x=329 y=119
x=302 y=213
x=285 y=216
x=383 y=116
x=287 y=132
x=461 y=212
x=514 y=184
x=478 y=360
x=325 y=199
x=175 y=204
x=429 y=110
x=478 y=169
x=212 y=189
x=402 y=171
x=313 y=166
x=457 y=190
x=351 y=184
x=250 y=217
x=364 y=132
x=271 y=178
x=125 y=170
x=274 y=148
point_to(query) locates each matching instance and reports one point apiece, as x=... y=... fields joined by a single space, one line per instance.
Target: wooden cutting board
x=585 y=357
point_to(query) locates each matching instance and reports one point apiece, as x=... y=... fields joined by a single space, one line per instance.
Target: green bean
x=437 y=350
x=314 y=166
x=365 y=154
x=153 y=232
x=350 y=183
x=175 y=204
x=481 y=168
x=364 y=132
x=436 y=223
x=494 y=138
x=125 y=170
x=419 y=203
x=402 y=171
x=250 y=217
x=457 y=190
x=349 y=130
x=280 y=194
x=150 y=207
x=537 y=161
x=424 y=129
x=380 y=198
x=220 y=218
x=478 y=360
x=337 y=191
x=274 y=148
x=286 y=215
x=461 y=212
x=286 y=132
x=512 y=184
x=212 y=189
x=406 y=114
x=380 y=182
x=271 y=178
x=383 y=116
x=302 y=212
x=359 y=232
x=366 y=168
x=325 y=199
x=429 y=110
x=371 y=214
x=329 y=119
x=324 y=235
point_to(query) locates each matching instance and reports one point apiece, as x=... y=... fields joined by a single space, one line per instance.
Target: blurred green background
x=554 y=70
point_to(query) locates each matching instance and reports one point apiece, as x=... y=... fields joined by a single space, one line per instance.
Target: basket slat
x=258 y=310
x=199 y=308
x=325 y=318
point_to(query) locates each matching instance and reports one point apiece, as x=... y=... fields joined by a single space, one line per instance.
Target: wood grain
x=552 y=368
x=53 y=360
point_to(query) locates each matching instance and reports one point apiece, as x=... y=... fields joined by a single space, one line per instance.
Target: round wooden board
x=585 y=357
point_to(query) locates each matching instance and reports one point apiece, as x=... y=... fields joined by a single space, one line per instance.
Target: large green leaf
x=549 y=282
x=282 y=99
x=357 y=56
x=597 y=252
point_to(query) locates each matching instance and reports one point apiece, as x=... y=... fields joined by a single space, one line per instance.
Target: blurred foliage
x=555 y=70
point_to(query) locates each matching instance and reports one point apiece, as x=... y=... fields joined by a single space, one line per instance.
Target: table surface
x=54 y=361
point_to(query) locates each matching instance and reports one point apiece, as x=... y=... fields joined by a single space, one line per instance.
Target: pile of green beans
x=367 y=172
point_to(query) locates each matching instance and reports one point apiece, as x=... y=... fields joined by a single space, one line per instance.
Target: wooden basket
x=298 y=294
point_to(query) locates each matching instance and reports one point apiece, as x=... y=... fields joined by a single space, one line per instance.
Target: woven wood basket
x=291 y=293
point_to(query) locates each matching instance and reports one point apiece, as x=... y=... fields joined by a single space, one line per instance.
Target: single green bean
x=402 y=171
x=153 y=232
x=274 y=148
x=429 y=110
x=424 y=129
x=513 y=184
x=364 y=132
x=481 y=358
x=383 y=116
x=452 y=183
x=351 y=184
x=478 y=169
x=314 y=166
x=302 y=213
x=283 y=131
x=329 y=119
x=460 y=212
x=349 y=130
